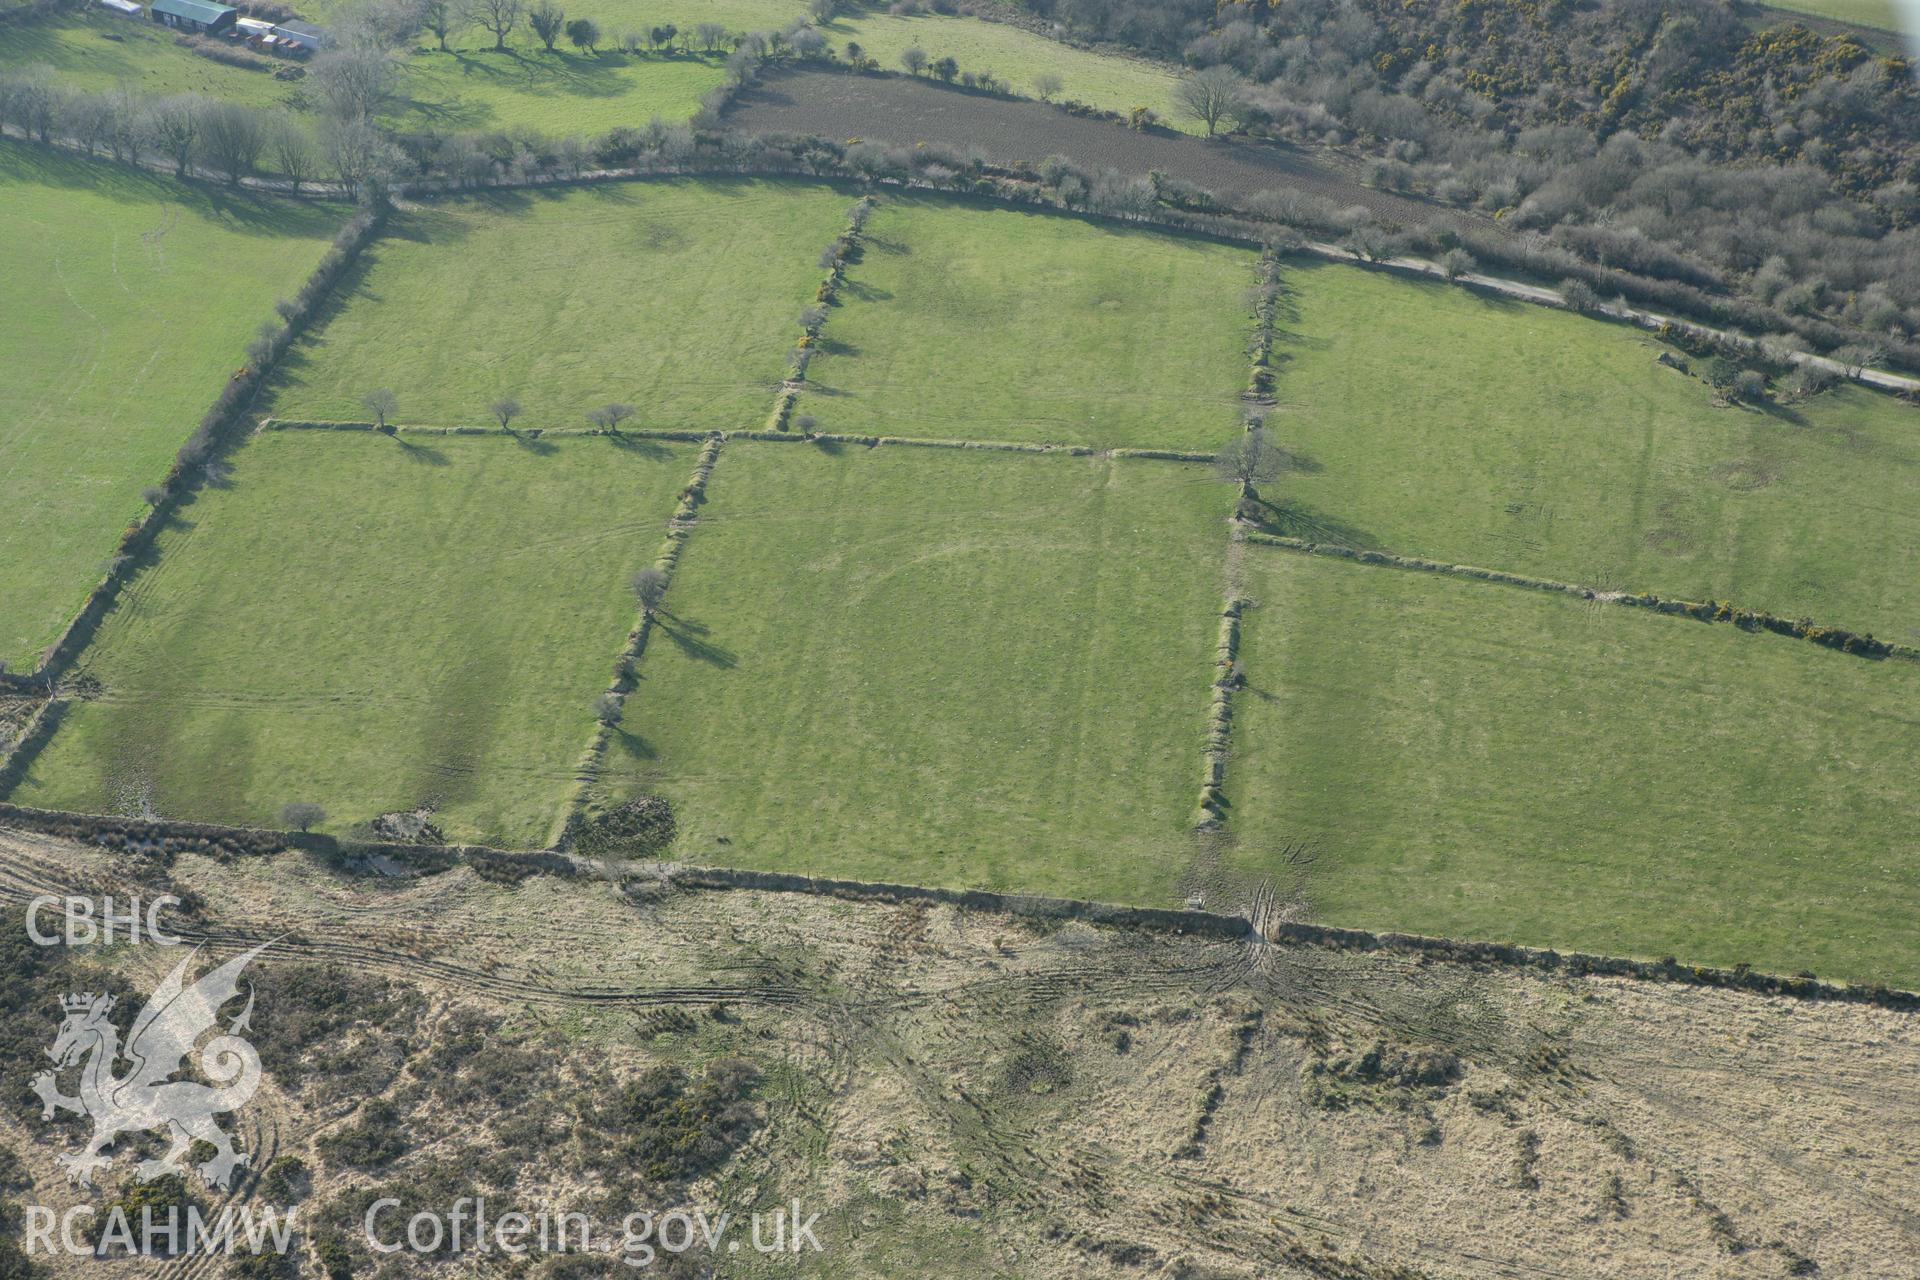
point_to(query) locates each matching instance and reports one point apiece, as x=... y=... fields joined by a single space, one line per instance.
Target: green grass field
x=467 y=88
x=369 y=625
x=616 y=16
x=977 y=323
x=1112 y=82
x=680 y=297
x=100 y=51
x=1882 y=15
x=1486 y=762
x=564 y=92
x=471 y=87
x=940 y=667
x=126 y=300
x=1447 y=425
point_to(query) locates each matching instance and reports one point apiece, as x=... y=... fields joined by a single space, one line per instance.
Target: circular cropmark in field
x=1744 y=475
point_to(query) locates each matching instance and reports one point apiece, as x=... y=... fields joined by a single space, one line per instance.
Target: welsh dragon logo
x=147 y=1097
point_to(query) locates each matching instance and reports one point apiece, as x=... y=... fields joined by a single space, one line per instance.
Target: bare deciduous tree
x=1213 y=97
x=497 y=16
x=355 y=76
x=504 y=411
x=1578 y=295
x=914 y=59
x=293 y=153
x=1047 y=85
x=548 y=20
x=608 y=417
x=1369 y=242
x=173 y=126
x=129 y=120
x=1251 y=459
x=89 y=119
x=442 y=17
x=1856 y=357
x=301 y=816
x=710 y=35
x=381 y=403
x=361 y=157
x=233 y=138
x=37 y=100
x=649 y=587
x=583 y=34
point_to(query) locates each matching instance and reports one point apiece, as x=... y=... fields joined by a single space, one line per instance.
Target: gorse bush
x=643 y=827
x=1691 y=159
x=677 y=1126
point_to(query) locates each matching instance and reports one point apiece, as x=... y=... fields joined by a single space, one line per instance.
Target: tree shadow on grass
x=425 y=455
x=580 y=75
x=449 y=113
x=1782 y=413
x=1292 y=518
x=635 y=745
x=349 y=289
x=236 y=209
x=441 y=226
x=691 y=638
x=642 y=446
x=1286 y=307
x=1265 y=695
x=1293 y=340
x=832 y=448
x=534 y=444
x=597 y=192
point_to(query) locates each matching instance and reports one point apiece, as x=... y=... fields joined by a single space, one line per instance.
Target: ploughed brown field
x=897 y=109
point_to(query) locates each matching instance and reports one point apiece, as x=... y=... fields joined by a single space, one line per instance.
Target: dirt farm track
x=840 y=105
x=1048 y=1099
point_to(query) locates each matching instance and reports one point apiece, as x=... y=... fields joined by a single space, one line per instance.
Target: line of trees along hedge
x=522 y=157
x=1859 y=643
x=1784 y=256
x=469 y=161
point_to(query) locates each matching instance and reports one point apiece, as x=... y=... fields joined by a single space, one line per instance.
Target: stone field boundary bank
x=220 y=431
x=162 y=840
